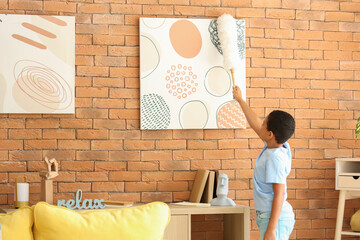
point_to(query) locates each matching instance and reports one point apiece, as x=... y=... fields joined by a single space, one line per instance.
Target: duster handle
x=232 y=76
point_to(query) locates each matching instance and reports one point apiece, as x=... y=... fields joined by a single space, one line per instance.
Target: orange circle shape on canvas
x=185 y=38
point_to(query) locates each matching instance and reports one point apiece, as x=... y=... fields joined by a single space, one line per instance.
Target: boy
x=275 y=217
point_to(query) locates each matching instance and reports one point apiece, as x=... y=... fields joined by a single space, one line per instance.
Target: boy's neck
x=273 y=144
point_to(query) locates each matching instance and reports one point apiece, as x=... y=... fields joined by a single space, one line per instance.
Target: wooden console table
x=348 y=182
x=236 y=221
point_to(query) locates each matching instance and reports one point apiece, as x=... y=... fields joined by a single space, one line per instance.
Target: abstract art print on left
x=37 y=64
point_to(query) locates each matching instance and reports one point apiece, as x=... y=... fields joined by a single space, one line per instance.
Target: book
x=199 y=185
x=209 y=188
x=114 y=204
x=191 y=204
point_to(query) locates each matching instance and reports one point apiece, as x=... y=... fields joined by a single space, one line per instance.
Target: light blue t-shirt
x=273 y=165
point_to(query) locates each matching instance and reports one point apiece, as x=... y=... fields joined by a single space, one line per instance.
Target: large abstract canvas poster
x=37 y=64
x=183 y=83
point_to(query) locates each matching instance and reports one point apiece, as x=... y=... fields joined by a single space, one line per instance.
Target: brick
x=158 y=134
x=108 y=187
x=113 y=166
x=40 y=144
x=338 y=55
x=156 y=155
x=324 y=64
x=140 y=186
x=309 y=35
x=138 y=144
x=156 y=176
x=156 y=196
x=310 y=74
x=339 y=16
x=110 y=61
x=325 y=124
x=91 y=134
x=264 y=62
x=91 y=113
x=91 y=176
x=81 y=166
x=60 y=7
x=124 y=51
x=74 y=144
x=350 y=7
x=124 y=176
x=22 y=134
x=338 y=134
x=126 y=8
x=92 y=71
x=92 y=29
x=336 y=94
x=205 y=164
x=158 y=9
x=92 y=155
x=294 y=24
x=109 y=124
x=25 y=5
x=309 y=133
x=73 y=187
x=124 y=72
x=250 y=12
x=42 y=123
x=325 y=104
x=218 y=134
x=266 y=4
x=124 y=155
x=310 y=15
x=58 y=134
x=294 y=63
x=325 y=5
x=294 y=44
x=93 y=8
x=174 y=165
x=264 y=23
x=144 y=166
x=107 y=39
x=170 y=144
x=295 y=103
x=188 y=155
x=172 y=186
x=309 y=114
x=280 y=73
x=129 y=134
x=349 y=85
x=279 y=93
x=293 y=4
x=218 y=154
x=75 y=123
x=323 y=45
x=12 y=166
x=297 y=83
x=323 y=26
x=280 y=13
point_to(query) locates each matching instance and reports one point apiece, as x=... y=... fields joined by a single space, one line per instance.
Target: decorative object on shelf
x=21 y=193
x=46 y=191
x=37 y=64
x=355 y=221
x=221 y=192
x=183 y=82
x=86 y=204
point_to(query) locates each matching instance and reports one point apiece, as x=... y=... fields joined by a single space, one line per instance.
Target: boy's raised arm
x=254 y=121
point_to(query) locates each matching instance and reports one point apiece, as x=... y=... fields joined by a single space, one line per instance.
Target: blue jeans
x=284 y=227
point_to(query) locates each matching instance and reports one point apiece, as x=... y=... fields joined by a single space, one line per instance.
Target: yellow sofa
x=48 y=222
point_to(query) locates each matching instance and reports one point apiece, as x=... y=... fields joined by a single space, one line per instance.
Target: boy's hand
x=270 y=235
x=237 y=93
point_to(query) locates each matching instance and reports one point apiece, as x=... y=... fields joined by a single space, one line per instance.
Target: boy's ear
x=270 y=134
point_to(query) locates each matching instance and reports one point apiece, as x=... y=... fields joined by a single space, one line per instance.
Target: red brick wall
x=302 y=56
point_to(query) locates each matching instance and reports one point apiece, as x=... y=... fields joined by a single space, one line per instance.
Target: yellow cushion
x=355 y=221
x=17 y=224
x=146 y=222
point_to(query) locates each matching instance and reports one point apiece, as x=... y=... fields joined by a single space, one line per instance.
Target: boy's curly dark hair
x=282 y=124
